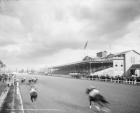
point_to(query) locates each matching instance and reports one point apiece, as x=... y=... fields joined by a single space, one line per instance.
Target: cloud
x=39 y=30
x=109 y=17
x=131 y=40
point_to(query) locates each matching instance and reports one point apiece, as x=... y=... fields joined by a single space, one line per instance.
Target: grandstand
x=125 y=63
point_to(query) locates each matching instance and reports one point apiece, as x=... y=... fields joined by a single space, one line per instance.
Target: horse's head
x=88 y=91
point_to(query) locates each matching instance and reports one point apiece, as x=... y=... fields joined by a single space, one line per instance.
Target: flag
x=85 y=46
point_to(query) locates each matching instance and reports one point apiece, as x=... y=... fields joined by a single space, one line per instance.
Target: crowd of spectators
x=119 y=79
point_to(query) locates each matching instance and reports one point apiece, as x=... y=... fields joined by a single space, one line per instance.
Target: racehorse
x=30 y=80
x=99 y=102
x=35 y=80
x=23 y=80
x=33 y=94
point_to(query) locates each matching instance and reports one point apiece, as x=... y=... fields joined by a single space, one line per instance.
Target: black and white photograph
x=69 y=56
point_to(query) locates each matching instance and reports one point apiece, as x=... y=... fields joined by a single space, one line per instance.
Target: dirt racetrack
x=63 y=95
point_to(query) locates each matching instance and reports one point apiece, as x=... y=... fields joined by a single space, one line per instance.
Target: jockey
x=33 y=89
x=96 y=97
x=93 y=91
x=92 y=95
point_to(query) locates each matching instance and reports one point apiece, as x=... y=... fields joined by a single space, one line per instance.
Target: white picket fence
x=131 y=82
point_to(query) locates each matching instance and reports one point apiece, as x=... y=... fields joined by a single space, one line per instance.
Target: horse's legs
x=90 y=103
x=35 y=97
x=32 y=99
x=97 y=107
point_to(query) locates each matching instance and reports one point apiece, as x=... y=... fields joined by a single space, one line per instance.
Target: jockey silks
x=93 y=92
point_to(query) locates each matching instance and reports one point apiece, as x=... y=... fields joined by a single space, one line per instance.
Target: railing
x=130 y=82
x=117 y=81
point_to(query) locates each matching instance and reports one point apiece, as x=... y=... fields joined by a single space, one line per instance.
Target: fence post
x=129 y=82
x=126 y=81
x=118 y=81
x=135 y=82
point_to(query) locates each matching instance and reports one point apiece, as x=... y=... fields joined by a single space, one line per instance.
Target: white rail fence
x=131 y=82
x=127 y=81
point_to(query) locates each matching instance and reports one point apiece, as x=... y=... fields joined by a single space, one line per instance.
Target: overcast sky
x=37 y=33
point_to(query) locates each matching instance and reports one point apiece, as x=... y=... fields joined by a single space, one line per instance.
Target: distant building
x=120 y=64
x=102 y=54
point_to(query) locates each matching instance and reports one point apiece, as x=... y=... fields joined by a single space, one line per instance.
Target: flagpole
x=86 y=54
x=85 y=48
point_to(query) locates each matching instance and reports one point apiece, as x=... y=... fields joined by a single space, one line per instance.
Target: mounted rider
x=33 y=93
x=95 y=97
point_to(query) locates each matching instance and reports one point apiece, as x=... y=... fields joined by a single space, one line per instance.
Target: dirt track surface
x=63 y=95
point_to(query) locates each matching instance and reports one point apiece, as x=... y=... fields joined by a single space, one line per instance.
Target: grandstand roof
x=119 y=54
x=135 y=66
x=83 y=62
x=125 y=52
x=88 y=59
